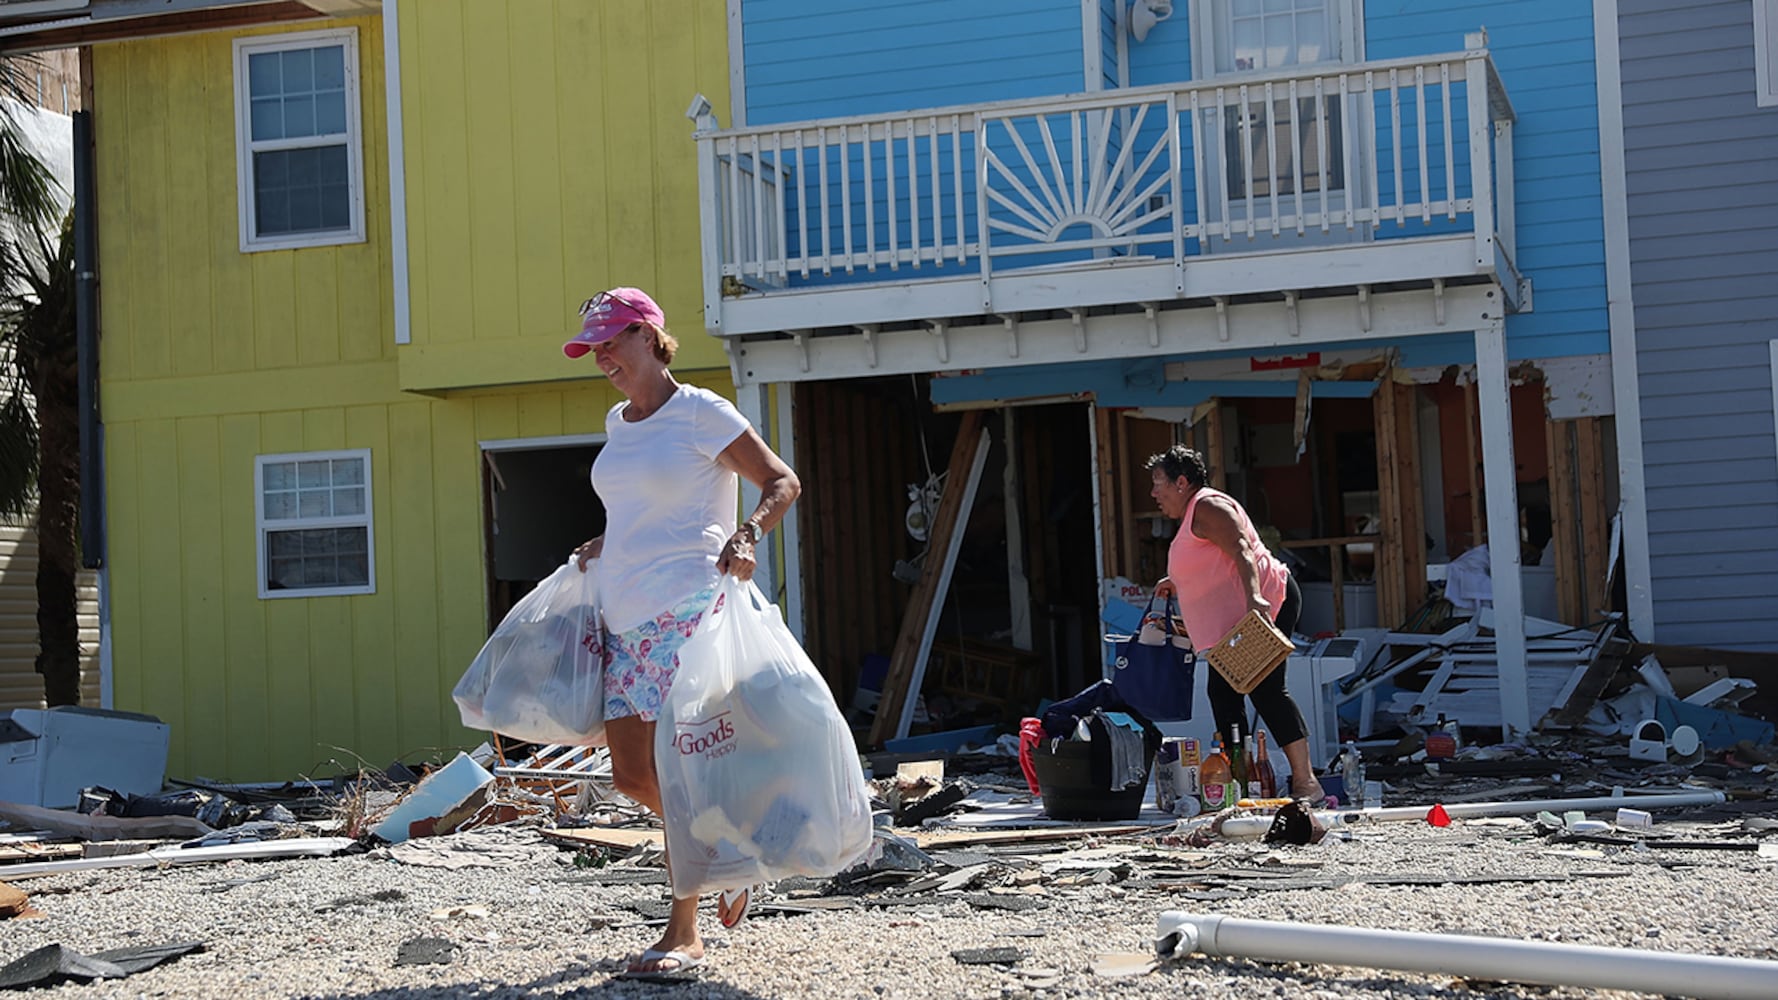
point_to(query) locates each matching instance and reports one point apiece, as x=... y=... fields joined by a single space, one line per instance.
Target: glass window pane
x=330 y=164
x=1245 y=8
x=315 y=503
x=348 y=471
x=279 y=475
x=330 y=67
x=1311 y=38
x=263 y=74
x=1278 y=42
x=336 y=202
x=354 y=570
x=272 y=211
x=347 y=502
x=283 y=574
x=299 y=116
x=280 y=506
x=283 y=544
x=1276 y=6
x=299 y=71
x=313 y=473
x=268 y=118
x=330 y=113
x=1247 y=44
x=305 y=210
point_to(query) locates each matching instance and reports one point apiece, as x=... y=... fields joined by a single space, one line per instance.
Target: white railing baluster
x=846 y=197
x=1222 y=160
x=1175 y=176
x=1132 y=129
x=938 y=212
x=759 y=209
x=1420 y=135
x=1247 y=159
x=1396 y=141
x=1444 y=93
x=913 y=195
x=1060 y=193
x=781 y=252
x=1370 y=106
x=1321 y=146
x=870 y=199
x=1076 y=139
x=1101 y=142
x=891 y=210
x=736 y=217
x=826 y=200
x=1296 y=156
x=1200 y=162
x=1350 y=131
x=981 y=212
x=957 y=183
x=1271 y=141
x=802 y=202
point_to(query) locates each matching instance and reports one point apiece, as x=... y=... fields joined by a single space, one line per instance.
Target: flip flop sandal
x=736 y=902
x=685 y=967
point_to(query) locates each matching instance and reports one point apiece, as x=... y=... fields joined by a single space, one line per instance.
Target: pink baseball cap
x=610 y=313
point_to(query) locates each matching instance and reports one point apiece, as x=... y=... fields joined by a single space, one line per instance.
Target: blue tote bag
x=1153 y=670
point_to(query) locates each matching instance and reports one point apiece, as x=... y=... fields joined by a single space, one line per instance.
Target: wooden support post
x=1391 y=586
x=1413 y=503
x=907 y=662
x=1106 y=466
x=1570 y=593
x=1476 y=533
x=1589 y=458
x=1215 y=451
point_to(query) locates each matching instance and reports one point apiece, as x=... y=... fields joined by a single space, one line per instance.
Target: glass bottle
x=1262 y=764
x=1214 y=778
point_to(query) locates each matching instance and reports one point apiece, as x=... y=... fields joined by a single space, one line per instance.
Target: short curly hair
x=1181 y=461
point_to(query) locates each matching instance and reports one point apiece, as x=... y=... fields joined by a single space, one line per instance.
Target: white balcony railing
x=1263 y=163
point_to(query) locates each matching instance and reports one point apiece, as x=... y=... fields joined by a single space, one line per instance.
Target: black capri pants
x=1280 y=712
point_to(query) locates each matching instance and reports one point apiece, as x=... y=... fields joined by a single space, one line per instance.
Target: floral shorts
x=640 y=662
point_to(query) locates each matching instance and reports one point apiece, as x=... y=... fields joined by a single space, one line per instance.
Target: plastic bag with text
x=759 y=774
x=539 y=677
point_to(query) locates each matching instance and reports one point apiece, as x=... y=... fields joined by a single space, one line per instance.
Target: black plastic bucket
x=1066 y=782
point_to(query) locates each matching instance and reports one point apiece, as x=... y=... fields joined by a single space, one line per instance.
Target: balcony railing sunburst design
x=1255 y=164
x=1106 y=186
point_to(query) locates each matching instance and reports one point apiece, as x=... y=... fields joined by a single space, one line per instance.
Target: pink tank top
x=1212 y=597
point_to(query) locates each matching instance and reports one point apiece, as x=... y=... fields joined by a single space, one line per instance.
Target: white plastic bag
x=539 y=678
x=759 y=774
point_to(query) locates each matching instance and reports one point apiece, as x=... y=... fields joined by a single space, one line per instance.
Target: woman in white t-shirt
x=667 y=476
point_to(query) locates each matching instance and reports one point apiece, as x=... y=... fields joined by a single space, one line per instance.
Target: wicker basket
x=1251 y=650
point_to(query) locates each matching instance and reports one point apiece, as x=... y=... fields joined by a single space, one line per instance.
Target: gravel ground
x=333 y=927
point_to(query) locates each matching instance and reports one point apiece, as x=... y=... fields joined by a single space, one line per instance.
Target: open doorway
x=538 y=505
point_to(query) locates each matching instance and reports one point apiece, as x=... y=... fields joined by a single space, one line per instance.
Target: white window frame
x=1765 y=52
x=367 y=521
x=245 y=147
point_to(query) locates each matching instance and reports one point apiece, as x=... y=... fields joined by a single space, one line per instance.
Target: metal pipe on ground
x=1710 y=977
x=1527 y=807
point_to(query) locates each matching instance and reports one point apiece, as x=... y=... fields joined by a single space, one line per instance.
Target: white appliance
x=48 y=755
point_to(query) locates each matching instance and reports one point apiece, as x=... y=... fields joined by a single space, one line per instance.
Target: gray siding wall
x=1702 y=165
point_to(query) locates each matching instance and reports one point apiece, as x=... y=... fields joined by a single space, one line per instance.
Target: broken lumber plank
x=296 y=847
x=617 y=839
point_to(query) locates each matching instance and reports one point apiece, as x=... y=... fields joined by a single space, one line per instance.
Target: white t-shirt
x=669 y=505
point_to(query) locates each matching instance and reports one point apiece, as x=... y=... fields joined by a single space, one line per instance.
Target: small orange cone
x=1437 y=816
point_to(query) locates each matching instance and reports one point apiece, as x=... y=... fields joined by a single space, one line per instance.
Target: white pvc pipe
x=1471 y=810
x=1711 y=977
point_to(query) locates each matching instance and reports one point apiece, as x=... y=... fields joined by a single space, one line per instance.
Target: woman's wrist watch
x=752 y=530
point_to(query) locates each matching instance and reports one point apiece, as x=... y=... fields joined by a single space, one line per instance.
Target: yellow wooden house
x=339 y=245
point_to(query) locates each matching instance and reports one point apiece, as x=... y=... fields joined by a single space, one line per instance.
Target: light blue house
x=1358 y=252
x=1698 y=284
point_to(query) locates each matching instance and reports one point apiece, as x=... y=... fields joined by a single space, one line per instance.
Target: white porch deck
x=1332 y=203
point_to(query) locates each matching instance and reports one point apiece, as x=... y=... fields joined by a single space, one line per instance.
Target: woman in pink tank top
x=1219 y=570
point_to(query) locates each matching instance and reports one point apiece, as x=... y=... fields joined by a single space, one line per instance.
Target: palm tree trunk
x=58 y=545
